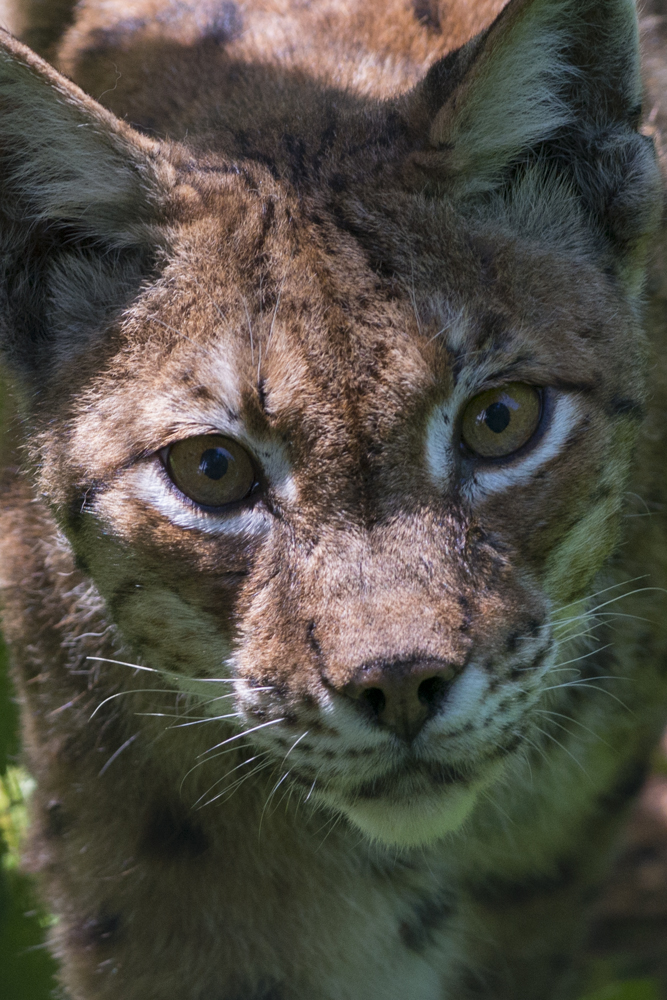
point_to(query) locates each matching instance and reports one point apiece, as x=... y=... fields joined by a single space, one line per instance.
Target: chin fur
x=413 y=822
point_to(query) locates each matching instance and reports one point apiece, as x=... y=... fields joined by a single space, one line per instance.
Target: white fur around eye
x=149 y=483
x=494 y=479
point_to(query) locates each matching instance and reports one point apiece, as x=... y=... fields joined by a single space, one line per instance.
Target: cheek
x=170 y=634
x=573 y=563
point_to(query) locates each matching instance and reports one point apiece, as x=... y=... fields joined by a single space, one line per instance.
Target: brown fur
x=308 y=231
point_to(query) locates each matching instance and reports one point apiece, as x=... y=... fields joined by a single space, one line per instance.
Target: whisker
x=120 y=694
x=171 y=673
x=560 y=715
x=117 y=753
x=122 y=663
x=228 y=774
x=229 y=792
x=303 y=736
x=238 y=736
x=269 y=797
x=201 y=763
x=605 y=590
x=601 y=690
x=312 y=789
x=584 y=656
x=565 y=750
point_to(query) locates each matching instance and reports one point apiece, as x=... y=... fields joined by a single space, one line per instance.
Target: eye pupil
x=214 y=463
x=497 y=417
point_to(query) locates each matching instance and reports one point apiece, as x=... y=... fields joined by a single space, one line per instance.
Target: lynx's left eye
x=500 y=421
x=211 y=469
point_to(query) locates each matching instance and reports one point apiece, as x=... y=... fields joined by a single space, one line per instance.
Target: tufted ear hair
x=79 y=197
x=551 y=91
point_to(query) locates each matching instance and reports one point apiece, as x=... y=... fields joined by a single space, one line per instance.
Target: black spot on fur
x=623 y=407
x=296 y=149
x=497 y=891
x=56 y=822
x=338 y=183
x=312 y=640
x=493 y=326
x=170 y=833
x=97 y=931
x=444 y=76
x=202 y=392
x=601 y=493
x=124 y=592
x=428 y=917
x=81 y=563
x=225 y=24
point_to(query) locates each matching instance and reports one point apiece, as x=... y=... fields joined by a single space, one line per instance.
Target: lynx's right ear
x=79 y=196
x=549 y=97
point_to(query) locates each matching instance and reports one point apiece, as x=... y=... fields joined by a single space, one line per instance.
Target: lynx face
x=276 y=480
x=347 y=423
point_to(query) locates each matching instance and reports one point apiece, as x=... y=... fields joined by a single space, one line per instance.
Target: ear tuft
x=511 y=98
x=553 y=85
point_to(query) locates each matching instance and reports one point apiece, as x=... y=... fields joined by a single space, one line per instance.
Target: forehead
x=277 y=311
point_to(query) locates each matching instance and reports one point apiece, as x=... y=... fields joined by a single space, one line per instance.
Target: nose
x=402 y=695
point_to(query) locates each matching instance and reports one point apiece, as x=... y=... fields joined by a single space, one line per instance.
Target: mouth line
x=417 y=778
x=413 y=778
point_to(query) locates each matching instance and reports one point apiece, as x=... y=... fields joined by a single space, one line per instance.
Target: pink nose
x=403 y=695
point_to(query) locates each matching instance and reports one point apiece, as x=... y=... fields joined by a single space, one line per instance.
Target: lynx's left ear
x=551 y=91
x=80 y=205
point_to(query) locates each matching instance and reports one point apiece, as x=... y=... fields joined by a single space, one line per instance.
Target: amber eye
x=500 y=421
x=211 y=469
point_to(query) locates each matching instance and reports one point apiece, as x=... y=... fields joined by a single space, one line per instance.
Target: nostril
x=433 y=691
x=375 y=699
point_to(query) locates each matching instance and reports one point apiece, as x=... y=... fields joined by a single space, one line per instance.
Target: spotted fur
x=321 y=229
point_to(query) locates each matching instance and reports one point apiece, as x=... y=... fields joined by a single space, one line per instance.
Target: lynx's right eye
x=211 y=469
x=500 y=421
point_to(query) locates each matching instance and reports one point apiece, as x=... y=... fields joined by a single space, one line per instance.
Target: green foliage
x=26 y=968
x=8 y=717
x=636 y=989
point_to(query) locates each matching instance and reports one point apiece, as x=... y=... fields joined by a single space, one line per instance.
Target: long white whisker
x=227 y=793
x=560 y=715
x=120 y=694
x=227 y=774
x=117 y=753
x=238 y=736
x=303 y=736
x=564 y=749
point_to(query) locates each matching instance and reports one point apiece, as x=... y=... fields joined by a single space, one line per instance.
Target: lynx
x=333 y=531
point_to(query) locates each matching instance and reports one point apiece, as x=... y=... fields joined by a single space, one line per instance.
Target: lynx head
x=344 y=410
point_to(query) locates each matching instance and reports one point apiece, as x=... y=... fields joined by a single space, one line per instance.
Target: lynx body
x=340 y=650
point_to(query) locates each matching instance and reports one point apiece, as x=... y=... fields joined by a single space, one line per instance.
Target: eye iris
x=497 y=417
x=498 y=422
x=211 y=469
x=214 y=463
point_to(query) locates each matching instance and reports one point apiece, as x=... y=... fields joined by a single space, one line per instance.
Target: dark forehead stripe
x=427 y=13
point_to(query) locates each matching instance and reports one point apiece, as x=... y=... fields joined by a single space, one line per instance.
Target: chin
x=412 y=822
